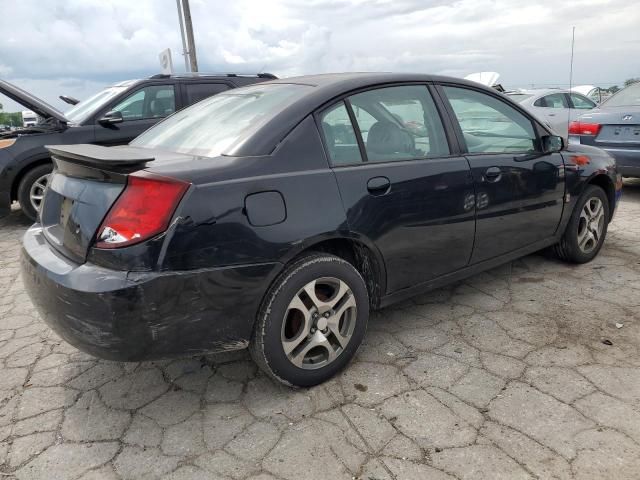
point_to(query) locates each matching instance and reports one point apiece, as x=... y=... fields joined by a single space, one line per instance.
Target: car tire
x=587 y=227
x=312 y=321
x=31 y=186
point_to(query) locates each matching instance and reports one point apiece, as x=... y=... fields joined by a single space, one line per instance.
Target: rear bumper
x=134 y=316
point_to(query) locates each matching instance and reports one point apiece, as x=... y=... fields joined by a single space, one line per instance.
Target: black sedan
x=276 y=216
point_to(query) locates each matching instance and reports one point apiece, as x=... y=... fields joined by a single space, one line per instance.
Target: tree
x=613 y=89
x=630 y=81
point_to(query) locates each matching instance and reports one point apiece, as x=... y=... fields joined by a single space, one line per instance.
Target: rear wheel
x=31 y=189
x=587 y=228
x=312 y=321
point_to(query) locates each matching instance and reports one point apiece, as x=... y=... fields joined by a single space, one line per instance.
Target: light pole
x=186 y=32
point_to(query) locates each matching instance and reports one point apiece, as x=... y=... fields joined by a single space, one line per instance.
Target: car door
x=402 y=185
x=519 y=189
x=140 y=110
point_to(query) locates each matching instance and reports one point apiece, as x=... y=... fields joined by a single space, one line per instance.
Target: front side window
x=555 y=100
x=490 y=125
x=581 y=103
x=339 y=136
x=399 y=123
x=155 y=101
x=216 y=124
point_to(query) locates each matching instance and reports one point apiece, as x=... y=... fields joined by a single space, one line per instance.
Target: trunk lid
x=86 y=181
x=32 y=102
x=620 y=126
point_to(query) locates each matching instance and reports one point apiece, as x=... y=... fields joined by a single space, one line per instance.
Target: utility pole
x=189 y=28
x=188 y=43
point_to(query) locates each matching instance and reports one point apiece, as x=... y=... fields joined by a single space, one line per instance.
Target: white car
x=554 y=106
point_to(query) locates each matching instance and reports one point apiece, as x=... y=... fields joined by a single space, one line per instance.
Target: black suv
x=113 y=116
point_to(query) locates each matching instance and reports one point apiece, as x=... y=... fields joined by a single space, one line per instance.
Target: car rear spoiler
x=96 y=155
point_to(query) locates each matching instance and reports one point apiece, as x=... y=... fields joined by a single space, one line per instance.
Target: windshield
x=211 y=127
x=625 y=97
x=85 y=108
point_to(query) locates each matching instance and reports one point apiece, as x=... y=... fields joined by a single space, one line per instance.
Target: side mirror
x=111 y=117
x=552 y=143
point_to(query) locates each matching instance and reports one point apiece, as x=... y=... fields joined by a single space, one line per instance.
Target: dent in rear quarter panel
x=216 y=231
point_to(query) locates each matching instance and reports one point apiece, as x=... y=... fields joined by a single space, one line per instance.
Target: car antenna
x=573 y=40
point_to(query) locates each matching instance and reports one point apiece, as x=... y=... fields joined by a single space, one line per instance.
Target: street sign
x=165 y=61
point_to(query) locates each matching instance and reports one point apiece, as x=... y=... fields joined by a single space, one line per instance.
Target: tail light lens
x=143 y=210
x=582 y=128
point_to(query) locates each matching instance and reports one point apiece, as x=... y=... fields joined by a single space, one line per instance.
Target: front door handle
x=378 y=186
x=493 y=174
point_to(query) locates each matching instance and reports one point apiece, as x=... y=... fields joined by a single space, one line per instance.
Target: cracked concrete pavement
x=504 y=375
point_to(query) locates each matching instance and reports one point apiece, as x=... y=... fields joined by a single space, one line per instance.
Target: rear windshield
x=213 y=126
x=625 y=97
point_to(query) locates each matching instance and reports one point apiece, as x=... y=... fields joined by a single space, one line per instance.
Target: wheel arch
x=358 y=251
x=603 y=181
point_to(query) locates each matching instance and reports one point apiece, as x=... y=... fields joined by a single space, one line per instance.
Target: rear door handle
x=378 y=186
x=493 y=174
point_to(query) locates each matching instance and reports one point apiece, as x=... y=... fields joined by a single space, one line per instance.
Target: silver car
x=615 y=127
x=554 y=106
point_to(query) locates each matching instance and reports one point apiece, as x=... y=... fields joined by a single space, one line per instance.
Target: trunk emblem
x=626 y=118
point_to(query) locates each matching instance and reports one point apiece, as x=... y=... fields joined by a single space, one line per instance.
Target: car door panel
x=423 y=223
x=520 y=206
x=519 y=190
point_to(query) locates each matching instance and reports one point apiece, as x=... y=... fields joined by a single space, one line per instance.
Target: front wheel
x=312 y=321
x=587 y=227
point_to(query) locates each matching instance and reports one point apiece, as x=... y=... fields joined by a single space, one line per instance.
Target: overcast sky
x=76 y=47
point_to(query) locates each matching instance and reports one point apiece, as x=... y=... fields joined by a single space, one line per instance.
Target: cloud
x=50 y=45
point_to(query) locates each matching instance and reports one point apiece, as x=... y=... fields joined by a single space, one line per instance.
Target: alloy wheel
x=319 y=323
x=36 y=192
x=591 y=224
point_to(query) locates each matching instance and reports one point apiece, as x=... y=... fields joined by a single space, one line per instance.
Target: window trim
x=452 y=141
x=538 y=128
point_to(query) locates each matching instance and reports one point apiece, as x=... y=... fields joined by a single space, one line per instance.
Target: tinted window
x=555 y=100
x=399 y=123
x=490 y=125
x=197 y=91
x=339 y=136
x=582 y=103
x=216 y=124
x=155 y=101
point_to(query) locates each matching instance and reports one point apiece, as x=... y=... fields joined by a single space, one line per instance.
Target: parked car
x=615 y=127
x=275 y=216
x=554 y=106
x=113 y=116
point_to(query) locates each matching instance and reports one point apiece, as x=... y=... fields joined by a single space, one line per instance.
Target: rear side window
x=399 y=123
x=198 y=91
x=490 y=125
x=339 y=136
x=581 y=103
x=555 y=100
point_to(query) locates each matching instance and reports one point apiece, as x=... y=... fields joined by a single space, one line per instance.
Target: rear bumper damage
x=135 y=316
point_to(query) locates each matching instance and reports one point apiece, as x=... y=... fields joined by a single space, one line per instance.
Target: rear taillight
x=583 y=128
x=143 y=210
